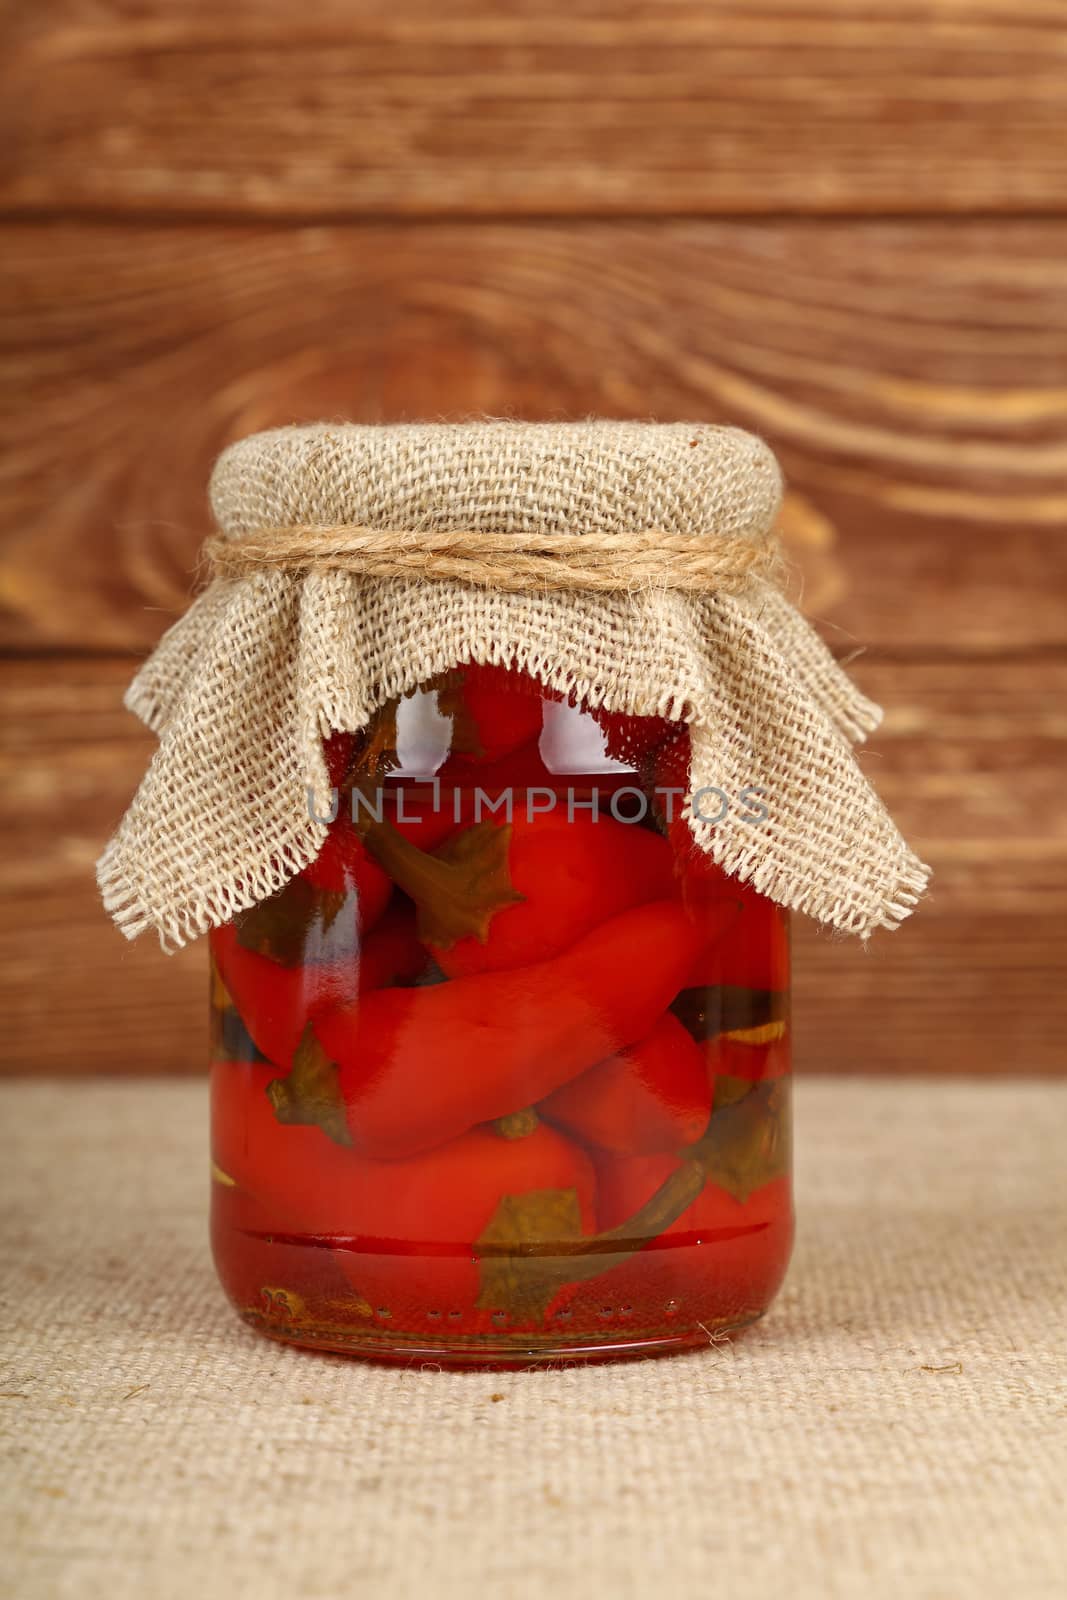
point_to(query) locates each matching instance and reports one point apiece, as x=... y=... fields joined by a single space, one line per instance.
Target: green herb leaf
x=728 y=1090
x=520 y=1272
x=518 y=1125
x=534 y=1247
x=311 y=1094
x=749 y=1139
x=457 y=889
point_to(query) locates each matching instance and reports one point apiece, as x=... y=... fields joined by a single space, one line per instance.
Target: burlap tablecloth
x=896 y=1427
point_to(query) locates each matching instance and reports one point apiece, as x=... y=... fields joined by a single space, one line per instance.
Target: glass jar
x=504 y=1074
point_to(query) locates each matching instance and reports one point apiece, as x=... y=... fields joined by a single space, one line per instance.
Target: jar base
x=521 y=1351
x=299 y=1290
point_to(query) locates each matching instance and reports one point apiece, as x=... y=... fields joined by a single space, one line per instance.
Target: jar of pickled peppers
x=489 y=762
x=505 y=1071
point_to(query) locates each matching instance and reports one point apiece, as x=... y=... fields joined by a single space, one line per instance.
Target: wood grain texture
x=76 y=996
x=912 y=376
x=697 y=106
x=971 y=761
x=220 y=218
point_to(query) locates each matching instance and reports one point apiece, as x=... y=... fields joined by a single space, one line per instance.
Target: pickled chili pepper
x=343 y=865
x=732 y=1240
x=754 y=953
x=276 y=1002
x=730 y=1183
x=300 y=1175
x=568 y=876
x=518 y=1272
x=746 y=1146
x=654 y=1096
x=433 y=1207
x=718 y=1250
x=453 y=1194
x=493 y=713
x=391 y=952
x=425 y=821
x=419 y=1066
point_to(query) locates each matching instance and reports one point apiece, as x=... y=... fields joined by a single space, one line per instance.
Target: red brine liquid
x=504 y=1074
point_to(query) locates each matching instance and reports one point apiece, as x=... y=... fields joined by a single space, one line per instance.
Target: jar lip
x=495 y=476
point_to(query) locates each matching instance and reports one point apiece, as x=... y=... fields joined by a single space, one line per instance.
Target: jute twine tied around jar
x=630 y=566
x=596 y=563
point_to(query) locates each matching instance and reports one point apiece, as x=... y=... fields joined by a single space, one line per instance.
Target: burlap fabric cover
x=243 y=688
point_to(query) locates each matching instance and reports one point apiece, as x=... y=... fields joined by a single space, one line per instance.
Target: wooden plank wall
x=840 y=222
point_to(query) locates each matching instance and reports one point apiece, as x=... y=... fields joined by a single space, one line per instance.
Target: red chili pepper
x=495 y=711
x=571 y=876
x=391 y=952
x=704 y=881
x=405 y=1232
x=520 y=769
x=425 y=821
x=749 y=947
x=298 y=1175
x=276 y=1002
x=343 y=865
x=754 y=951
x=422 y=1218
x=419 y=1066
x=655 y=1096
x=723 y=1258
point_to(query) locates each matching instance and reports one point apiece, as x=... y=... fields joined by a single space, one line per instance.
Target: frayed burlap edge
x=243 y=689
